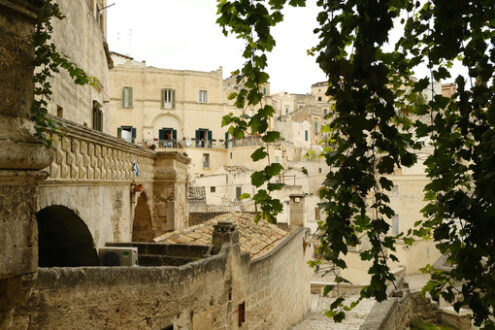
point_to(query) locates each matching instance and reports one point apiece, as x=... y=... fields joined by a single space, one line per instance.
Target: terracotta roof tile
x=255 y=238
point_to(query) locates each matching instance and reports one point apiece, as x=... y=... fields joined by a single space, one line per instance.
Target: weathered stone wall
x=203 y=294
x=80 y=37
x=277 y=286
x=129 y=297
x=21 y=157
x=395 y=313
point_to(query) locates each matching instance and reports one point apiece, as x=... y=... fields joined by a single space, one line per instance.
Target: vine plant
x=378 y=121
x=47 y=61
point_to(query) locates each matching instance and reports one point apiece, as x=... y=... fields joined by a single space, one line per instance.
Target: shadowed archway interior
x=64 y=239
x=142 y=230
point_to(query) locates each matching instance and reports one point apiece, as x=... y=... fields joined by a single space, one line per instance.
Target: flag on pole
x=136 y=168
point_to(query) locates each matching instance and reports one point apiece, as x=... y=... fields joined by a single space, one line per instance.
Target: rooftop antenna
x=130 y=42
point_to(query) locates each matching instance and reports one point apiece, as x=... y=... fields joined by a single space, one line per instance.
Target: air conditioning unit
x=118 y=256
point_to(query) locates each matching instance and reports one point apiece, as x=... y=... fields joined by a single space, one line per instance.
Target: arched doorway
x=64 y=239
x=141 y=229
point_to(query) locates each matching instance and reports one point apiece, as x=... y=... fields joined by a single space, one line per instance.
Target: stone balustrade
x=83 y=154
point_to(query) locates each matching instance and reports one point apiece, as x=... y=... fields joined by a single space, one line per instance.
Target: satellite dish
x=188 y=142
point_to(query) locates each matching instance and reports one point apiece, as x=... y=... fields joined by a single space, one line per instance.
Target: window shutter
x=163 y=98
x=123 y=97
x=173 y=98
x=226 y=140
x=210 y=135
x=133 y=133
x=198 y=135
x=119 y=132
x=174 y=135
x=130 y=100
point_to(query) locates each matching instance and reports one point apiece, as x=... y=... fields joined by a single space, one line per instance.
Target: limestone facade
x=81 y=36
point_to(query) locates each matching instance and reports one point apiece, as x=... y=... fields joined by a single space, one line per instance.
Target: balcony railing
x=167 y=144
x=246 y=142
x=204 y=144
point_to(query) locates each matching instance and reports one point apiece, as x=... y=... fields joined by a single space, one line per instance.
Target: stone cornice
x=173 y=155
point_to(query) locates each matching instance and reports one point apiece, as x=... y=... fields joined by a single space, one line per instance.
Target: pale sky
x=182 y=34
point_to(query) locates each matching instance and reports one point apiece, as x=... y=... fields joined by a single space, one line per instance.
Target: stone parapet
x=83 y=154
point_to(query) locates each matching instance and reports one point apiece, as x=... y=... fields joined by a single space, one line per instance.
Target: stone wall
x=395 y=313
x=129 y=297
x=203 y=294
x=277 y=285
x=80 y=37
x=21 y=156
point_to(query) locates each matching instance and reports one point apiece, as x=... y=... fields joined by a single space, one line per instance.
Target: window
x=319 y=170
x=238 y=192
x=242 y=313
x=286 y=110
x=127 y=133
x=277 y=159
x=206 y=160
x=300 y=106
x=306 y=135
x=167 y=138
x=319 y=98
x=204 y=138
x=127 y=97
x=97 y=116
x=230 y=155
x=264 y=90
x=60 y=112
x=213 y=189
x=395 y=225
x=395 y=190
x=325 y=111
x=316 y=127
x=203 y=96
x=168 y=98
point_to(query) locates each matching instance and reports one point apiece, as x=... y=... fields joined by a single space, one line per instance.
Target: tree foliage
x=378 y=120
x=47 y=61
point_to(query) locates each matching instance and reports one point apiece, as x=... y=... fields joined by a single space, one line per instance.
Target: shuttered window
x=127 y=97
x=168 y=98
x=203 y=96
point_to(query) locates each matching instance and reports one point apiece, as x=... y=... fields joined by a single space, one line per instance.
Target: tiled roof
x=255 y=238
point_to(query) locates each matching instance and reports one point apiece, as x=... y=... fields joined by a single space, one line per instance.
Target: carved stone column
x=170 y=204
x=21 y=157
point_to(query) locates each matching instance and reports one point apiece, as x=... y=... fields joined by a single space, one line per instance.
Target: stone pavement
x=317 y=321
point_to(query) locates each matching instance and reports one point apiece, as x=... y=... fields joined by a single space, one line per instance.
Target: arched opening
x=141 y=228
x=64 y=239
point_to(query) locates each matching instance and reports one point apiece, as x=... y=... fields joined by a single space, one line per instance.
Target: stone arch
x=167 y=120
x=142 y=230
x=64 y=239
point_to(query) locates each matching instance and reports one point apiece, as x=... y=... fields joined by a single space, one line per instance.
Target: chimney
x=224 y=232
x=296 y=206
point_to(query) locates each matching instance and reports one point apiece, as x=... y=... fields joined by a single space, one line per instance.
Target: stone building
x=81 y=36
x=170 y=109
